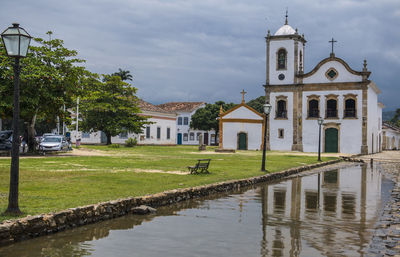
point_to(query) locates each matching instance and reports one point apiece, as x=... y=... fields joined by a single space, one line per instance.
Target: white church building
x=345 y=98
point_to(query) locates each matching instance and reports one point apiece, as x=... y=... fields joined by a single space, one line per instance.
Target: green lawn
x=54 y=183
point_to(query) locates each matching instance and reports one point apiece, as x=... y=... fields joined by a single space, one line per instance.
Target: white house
x=391 y=137
x=241 y=128
x=184 y=134
x=342 y=96
x=161 y=132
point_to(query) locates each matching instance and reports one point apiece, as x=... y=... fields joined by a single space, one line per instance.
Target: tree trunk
x=108 y=139
x=31 y=134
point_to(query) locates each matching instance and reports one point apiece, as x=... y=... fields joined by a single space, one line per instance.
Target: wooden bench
x=200 y=167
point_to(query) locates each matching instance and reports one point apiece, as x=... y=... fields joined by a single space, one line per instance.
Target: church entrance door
x=242 y=141
x=331 y=140
x=179 y=138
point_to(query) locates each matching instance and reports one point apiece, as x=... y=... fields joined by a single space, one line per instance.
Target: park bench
x=200 y=167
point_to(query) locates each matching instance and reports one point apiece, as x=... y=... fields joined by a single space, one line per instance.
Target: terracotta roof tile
x=181 y=106
x=145 y=106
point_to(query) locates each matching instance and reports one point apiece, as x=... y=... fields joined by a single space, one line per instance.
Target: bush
x=114 y=146
x=131 y=142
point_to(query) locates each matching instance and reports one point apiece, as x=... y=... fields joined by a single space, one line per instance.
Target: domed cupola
x=285 y=30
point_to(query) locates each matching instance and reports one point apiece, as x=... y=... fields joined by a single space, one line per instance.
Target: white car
x=53 y=144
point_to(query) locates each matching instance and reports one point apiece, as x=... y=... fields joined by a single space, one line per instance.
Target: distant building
x=391 y=137
x=184 y=134
x=161 y=132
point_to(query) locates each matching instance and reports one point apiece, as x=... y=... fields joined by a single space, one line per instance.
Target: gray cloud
x=186 y=50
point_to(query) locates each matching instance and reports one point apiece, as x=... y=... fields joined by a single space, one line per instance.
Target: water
x=323 y=214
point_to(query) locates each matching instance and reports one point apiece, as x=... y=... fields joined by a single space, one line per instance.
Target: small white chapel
x=344 y=98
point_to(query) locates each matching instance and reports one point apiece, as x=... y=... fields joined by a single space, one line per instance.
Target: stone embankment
x=34 y=226
x=386 y=239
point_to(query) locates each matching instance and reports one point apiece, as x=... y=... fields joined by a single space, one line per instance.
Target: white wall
x=373 y=121
x=391 y=134
x=253 y=130
x=285 y=143
x=275 y=45
x=343 y=74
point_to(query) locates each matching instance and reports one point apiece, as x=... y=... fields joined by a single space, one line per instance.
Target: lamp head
x=16 y=41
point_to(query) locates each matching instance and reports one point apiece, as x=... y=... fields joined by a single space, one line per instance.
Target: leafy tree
x=257 y=104
x=396 y=118
x=206 y=118
x=49 y=80
x=111 y=107
x=124 y=74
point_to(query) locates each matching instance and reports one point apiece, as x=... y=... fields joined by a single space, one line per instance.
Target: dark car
x=6 y=139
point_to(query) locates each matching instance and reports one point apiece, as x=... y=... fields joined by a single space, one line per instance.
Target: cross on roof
x=286 y=21
x=243 y=93
x=332 y=41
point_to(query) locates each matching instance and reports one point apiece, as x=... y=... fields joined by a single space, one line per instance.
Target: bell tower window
x=281 y=59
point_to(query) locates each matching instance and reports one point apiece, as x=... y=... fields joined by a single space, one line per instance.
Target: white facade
x=343 y=97
x=390 y=137
x=241 y=128
x=184 y=134
x=162 y=131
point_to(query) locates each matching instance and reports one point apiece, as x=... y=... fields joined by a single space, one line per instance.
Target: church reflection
x=329 y=212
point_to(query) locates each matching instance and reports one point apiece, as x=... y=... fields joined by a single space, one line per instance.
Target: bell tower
x=285 y=55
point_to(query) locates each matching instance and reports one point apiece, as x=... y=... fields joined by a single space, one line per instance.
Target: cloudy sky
x=209 y=50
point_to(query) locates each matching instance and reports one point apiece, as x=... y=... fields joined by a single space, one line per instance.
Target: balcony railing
x=313 y=113
x=281 y=114
x=350 y=112
x=331 y=113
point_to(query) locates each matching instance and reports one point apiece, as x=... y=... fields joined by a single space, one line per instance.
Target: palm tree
x=124 y=74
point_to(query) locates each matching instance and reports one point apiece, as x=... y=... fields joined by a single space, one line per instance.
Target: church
x=345 y=99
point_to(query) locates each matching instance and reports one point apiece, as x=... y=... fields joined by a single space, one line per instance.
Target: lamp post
x=320 y=121
x=267 y=110
x=16 y=41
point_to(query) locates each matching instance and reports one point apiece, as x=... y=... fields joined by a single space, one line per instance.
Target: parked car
x=46 y=135
x=53 y=144
x=5 y=140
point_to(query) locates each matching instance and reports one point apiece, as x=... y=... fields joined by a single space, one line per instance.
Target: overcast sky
x=209 y=50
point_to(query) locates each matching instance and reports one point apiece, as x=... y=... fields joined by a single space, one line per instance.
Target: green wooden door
x=242 y=141
x=331 y=140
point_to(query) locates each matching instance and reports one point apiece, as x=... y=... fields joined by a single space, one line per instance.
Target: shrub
x=131 y=142
x=114 y=146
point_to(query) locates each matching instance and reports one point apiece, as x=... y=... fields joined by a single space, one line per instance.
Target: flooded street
x=330 y=213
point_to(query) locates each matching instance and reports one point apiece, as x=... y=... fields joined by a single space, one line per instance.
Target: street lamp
x=267 y=110
x=320 y=121
x=16 y=41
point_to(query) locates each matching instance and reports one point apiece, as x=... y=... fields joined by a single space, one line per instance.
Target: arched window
x=281 y=110
x=313 y=110
x=331 y=108
x=350 y=108
x=281 y=59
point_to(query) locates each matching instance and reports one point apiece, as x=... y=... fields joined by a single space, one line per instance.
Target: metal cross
x=332 y=41
x=243 y=93
x=286 y=21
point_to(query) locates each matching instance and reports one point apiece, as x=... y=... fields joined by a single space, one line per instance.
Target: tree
x=124 y=74
x=206 y=118
x=111 y=107
x=257 y=104
x=49 y=80
x=396 y=118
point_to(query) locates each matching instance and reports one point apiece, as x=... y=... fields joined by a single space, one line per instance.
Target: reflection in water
x=327 y=214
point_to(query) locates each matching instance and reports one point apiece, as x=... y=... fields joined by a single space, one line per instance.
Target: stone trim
x=331 y=125
x=237 y=107
x=281 y=98
x=331 y=97
x=334 y=77
x=332 y=86
x=242 y=120
x=333 y=58
x=247 y=140
x=316 y=98
x=345 y=98
x=364 y=144
x=277 y=58
x=43 y=224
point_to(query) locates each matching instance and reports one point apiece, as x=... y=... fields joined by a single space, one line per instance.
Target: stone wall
x=34 y=226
